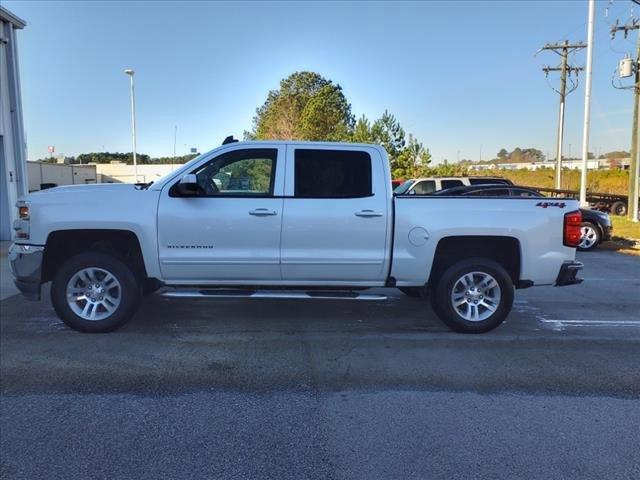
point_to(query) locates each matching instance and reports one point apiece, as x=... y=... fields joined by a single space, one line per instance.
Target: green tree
x=307 y=106
x=388 y=132
x=107 y=157
x=362 y=131
x=616 y=154
x=412 y=161
x=446 y=169
x=327 y=115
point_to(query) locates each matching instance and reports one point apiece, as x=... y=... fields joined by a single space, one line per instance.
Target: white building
x=46 y=175
x=13 y=163
x=570 y=163
x=122 y=173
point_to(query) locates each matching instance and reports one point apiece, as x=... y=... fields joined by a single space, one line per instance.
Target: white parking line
x=589 y=323
x=612 y=279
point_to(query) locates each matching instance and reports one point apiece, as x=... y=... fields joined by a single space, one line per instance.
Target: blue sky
x=457 y=75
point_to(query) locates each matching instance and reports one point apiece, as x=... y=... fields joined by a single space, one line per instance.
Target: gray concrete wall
x=13 y=155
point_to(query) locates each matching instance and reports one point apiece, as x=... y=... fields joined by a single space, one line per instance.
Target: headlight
x=21 y=224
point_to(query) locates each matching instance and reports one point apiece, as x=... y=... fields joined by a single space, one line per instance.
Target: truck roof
x=308 y=143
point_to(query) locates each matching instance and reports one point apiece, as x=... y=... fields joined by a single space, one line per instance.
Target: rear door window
x=332 y=174
x=450 y=184
x=488 y=181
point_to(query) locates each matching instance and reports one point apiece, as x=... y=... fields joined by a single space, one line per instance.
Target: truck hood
x=90 y=188
x=100 y=196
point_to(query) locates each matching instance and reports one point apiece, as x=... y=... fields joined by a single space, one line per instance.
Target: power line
x=628 y=68
x=566 y=70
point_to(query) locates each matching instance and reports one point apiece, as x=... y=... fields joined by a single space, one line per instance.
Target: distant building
x=13 y=159
x=47 y=175
x=570 y=163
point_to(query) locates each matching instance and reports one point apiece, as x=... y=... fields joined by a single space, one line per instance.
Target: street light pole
x=175 y=137
x=131 y=72
x=587 y=106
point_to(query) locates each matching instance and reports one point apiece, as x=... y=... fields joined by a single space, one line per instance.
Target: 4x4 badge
x=551 y=204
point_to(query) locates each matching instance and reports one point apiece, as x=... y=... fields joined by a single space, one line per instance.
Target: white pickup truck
x=287 y=220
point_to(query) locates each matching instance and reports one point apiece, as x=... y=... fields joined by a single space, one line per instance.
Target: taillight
x=572 y=232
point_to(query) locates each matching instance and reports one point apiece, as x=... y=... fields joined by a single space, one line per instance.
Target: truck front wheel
x=473 y=296
x=95 y=292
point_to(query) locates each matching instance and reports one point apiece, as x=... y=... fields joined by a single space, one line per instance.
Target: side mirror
x=188 y=185
x=412 y=192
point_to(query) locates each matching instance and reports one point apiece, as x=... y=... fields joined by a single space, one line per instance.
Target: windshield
x=186 y=167
x=403 y=187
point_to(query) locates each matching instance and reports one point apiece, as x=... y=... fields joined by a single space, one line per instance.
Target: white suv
x=426 y=185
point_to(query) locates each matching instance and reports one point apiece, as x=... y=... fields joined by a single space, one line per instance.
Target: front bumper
x=568 y=274
x=606 y=232
x=26 y=266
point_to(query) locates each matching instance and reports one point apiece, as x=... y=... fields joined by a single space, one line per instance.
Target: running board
x=271 y=294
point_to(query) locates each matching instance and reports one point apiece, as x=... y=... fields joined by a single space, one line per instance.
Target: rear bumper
x=26 y=266
x=568 y=274
x=606 y=232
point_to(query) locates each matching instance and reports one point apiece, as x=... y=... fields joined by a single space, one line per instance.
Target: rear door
x=336 y=215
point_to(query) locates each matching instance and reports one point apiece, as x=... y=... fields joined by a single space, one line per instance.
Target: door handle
x=262 y=212
x=368 y=213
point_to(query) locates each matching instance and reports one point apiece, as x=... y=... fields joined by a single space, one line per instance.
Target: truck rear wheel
x=619 y=208
x=95 y=292
x=473 y=296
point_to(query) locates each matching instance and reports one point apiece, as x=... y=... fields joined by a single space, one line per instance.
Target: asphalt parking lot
x=330 y=389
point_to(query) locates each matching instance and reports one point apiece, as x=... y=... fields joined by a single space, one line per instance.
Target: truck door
x=336 y=216
x=230 y=231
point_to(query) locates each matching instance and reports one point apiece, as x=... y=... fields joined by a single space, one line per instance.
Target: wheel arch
x=504 y=250
x=63 y=244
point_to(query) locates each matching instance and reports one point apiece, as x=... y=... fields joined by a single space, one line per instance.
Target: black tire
x=442 y=302
x=619 y=208
x=414 y=292
x=129 y=294
x=596 y=241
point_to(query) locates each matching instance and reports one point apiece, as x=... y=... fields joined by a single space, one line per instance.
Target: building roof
x=7 y=16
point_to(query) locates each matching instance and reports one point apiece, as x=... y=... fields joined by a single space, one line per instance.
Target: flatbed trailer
x=606 y=202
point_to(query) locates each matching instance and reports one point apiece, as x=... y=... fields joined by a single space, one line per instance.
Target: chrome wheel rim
x=588 y=238
x=94 y=293
x=475 y=296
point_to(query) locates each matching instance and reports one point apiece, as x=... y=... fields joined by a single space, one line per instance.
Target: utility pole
x=628 y=68
x=562 y=49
